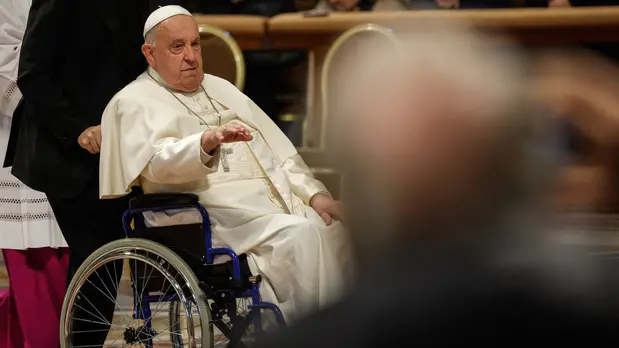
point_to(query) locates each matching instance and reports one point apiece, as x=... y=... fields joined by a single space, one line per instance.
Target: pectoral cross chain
x=224 y=158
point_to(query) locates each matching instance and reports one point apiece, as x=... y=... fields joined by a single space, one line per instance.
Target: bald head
x=441 y=126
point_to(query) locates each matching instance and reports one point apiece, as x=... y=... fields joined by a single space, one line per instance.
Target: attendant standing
x=34 y=251
x=75 y=56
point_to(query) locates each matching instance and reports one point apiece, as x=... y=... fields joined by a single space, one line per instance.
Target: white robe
x=260 y=207
x=13 y=18
x=26 y=219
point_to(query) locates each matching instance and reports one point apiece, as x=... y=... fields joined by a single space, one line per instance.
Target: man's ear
x=147 y=51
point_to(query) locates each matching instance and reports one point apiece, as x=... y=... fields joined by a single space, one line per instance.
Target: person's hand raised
x=232 y=132
x=228 y=133
x=90 y=139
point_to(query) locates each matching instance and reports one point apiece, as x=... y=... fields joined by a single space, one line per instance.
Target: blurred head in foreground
x=439 y=136
x=438 y=150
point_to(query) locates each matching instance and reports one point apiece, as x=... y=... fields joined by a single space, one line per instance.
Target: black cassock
x=75 y=56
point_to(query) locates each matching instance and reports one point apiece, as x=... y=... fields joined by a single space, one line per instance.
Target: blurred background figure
x=581 y=88
x=478 y=4
x=454 y=162
x=34 y=251
x=361 y=5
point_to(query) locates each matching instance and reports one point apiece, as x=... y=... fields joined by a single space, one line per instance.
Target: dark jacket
x=75 y=56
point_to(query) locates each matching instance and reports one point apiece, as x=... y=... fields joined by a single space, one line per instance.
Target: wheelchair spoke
x=113 y=342
x=99 y=316
x=87 y=331
x=137 y=294
x=104 y=294
x=160 y=297
x=105 y=286
x=163 y=293
x=104 y=321
x=96 y=322
x=168 y=305
x=109 y=298
x=115 y=277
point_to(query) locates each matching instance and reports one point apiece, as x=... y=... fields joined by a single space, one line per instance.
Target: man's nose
x=190 y=56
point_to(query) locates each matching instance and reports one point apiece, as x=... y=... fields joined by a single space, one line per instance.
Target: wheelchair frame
x=236 y=281
x=167 y=202
x=221 y=297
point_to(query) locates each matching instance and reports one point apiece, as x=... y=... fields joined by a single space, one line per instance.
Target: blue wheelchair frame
x=254 y=292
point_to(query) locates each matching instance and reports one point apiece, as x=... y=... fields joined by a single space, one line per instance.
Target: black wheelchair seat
x=158 y=200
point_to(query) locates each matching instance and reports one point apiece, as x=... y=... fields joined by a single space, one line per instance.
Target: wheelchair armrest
x=162 y=200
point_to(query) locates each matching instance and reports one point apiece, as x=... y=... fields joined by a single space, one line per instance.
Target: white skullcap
x=161 y=14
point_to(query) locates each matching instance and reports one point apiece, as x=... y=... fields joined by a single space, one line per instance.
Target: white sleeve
x=179 y=161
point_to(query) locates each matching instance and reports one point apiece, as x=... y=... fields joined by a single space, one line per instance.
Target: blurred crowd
x=273 y=7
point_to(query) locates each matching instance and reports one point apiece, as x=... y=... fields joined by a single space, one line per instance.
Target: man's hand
x=90 y=139
x=327 y=208
x=230 y=132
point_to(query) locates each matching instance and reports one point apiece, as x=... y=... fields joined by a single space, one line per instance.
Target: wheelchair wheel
x=233 y=319
x=122 y=296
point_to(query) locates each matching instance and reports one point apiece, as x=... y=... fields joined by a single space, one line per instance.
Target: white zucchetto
x=161 y=14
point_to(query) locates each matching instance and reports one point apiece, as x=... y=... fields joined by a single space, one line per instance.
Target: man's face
x=176 y=54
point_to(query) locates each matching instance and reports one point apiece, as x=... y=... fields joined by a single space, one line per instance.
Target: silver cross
x=224 y=158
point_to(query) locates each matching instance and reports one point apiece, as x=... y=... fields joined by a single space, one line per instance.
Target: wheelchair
x=178 y=292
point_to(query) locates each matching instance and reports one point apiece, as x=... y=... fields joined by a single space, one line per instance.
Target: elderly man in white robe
x=176 y=129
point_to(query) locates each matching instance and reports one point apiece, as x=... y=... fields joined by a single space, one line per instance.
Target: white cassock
x=256 y=192
x=26 y=219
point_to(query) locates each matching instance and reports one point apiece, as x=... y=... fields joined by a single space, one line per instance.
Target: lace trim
x=24 y=200
x=26 y=217
x=11 y=184
x=16 y=217
x=10 y=91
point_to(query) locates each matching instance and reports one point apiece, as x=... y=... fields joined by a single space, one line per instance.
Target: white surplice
x=26 y=219
x=257 y=196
